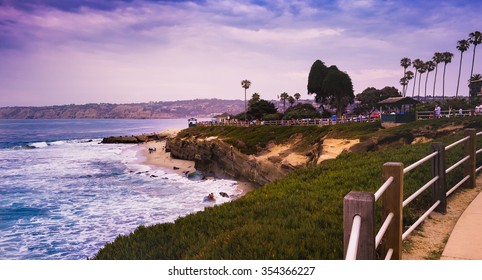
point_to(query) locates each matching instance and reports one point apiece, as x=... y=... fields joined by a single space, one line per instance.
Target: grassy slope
x=250 y=140
x=296 y=217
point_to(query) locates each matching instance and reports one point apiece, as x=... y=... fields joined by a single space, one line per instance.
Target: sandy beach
x=159 y=158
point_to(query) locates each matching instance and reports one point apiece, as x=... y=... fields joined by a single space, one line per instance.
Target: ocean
x=64 y=195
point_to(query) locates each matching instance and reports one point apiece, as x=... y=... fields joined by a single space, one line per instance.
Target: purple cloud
x=57 y=52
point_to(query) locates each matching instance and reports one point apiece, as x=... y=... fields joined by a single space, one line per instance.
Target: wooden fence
x=360 y=239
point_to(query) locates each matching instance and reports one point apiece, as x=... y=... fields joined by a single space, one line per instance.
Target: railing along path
x=360 y=240
x=300 y=122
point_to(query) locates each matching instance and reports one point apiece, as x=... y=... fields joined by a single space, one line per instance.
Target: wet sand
x=162 y=159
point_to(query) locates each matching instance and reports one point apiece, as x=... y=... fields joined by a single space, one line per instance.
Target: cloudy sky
x=55 y=52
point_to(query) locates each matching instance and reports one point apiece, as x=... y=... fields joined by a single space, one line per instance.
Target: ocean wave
x=38 y=145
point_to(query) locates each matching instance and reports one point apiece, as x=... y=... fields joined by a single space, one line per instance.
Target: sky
x=55 y=52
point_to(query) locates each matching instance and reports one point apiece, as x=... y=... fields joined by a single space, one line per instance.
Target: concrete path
x=465 y=241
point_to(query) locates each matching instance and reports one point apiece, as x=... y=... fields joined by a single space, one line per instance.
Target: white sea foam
x=38 y=144
x=66 y=199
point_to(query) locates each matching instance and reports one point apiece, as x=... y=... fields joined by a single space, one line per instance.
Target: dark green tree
x=254 y=98
x=316 y=77
x=330 y=86
x=338 y=88
x=302 y=111
x=261 y=108
x=370 y=97
x=387 y=92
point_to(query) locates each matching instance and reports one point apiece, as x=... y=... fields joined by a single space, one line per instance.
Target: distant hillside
x=151 y=110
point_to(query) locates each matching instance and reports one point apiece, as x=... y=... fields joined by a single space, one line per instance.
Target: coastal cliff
x=217 y=158
x=151 y=110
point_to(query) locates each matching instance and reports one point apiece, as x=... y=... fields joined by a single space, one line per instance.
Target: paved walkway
x=465 y=241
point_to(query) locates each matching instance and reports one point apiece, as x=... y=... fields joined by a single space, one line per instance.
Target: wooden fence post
x=362 y=204
x=439 y=188
x=470 y=150
x=392 y=202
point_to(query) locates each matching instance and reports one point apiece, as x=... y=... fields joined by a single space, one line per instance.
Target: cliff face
x=215 y=157
x=151 y=110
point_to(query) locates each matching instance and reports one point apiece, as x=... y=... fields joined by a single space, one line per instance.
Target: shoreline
x=160 y=159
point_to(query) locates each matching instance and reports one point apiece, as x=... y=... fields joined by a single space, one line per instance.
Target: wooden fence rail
x=360 y=206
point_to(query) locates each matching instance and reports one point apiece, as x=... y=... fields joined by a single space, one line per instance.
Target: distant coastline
x=150 y=110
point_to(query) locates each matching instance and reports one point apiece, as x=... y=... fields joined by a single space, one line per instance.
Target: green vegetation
x=370 y=97
x=302 y=111
x=250 y=140
x=330 y=86
x=296 y=217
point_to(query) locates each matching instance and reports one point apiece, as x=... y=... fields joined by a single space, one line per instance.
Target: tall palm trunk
x=473 y=60
x=414 y=83
x=460 y=69
x=245 y=107
x=434 y=81
x=406 y=87
x=443 y=84
x=426 y=80
x=419 y=81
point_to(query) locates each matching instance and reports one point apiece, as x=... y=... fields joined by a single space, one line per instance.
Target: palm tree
x=291 y=100
x=462 y=46
x=245 y=84
x=254 y=99
x=447 y=58
x=430 y=66
x=437 y=58
x=284 y=96
x=475 y=38
x=475 y=77
x=405 y=63
x=297 y=97
x=416 y=64
x=404 y=83
x=408 y=75
x=421 y=69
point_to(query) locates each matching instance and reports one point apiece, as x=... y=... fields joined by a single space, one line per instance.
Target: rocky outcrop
x=133 y=139
x=215 y=157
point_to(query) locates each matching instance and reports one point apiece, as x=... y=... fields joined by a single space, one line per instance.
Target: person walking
x=437 y=112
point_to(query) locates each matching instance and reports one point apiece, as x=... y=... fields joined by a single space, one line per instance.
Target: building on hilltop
x=475 y=89
x=398 y=109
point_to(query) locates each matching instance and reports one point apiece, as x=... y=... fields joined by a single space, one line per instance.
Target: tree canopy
x=258 y=108
x=370 y=97
x=302 y=111
x=330 y=86
x=261 y=108
x=315 y=80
